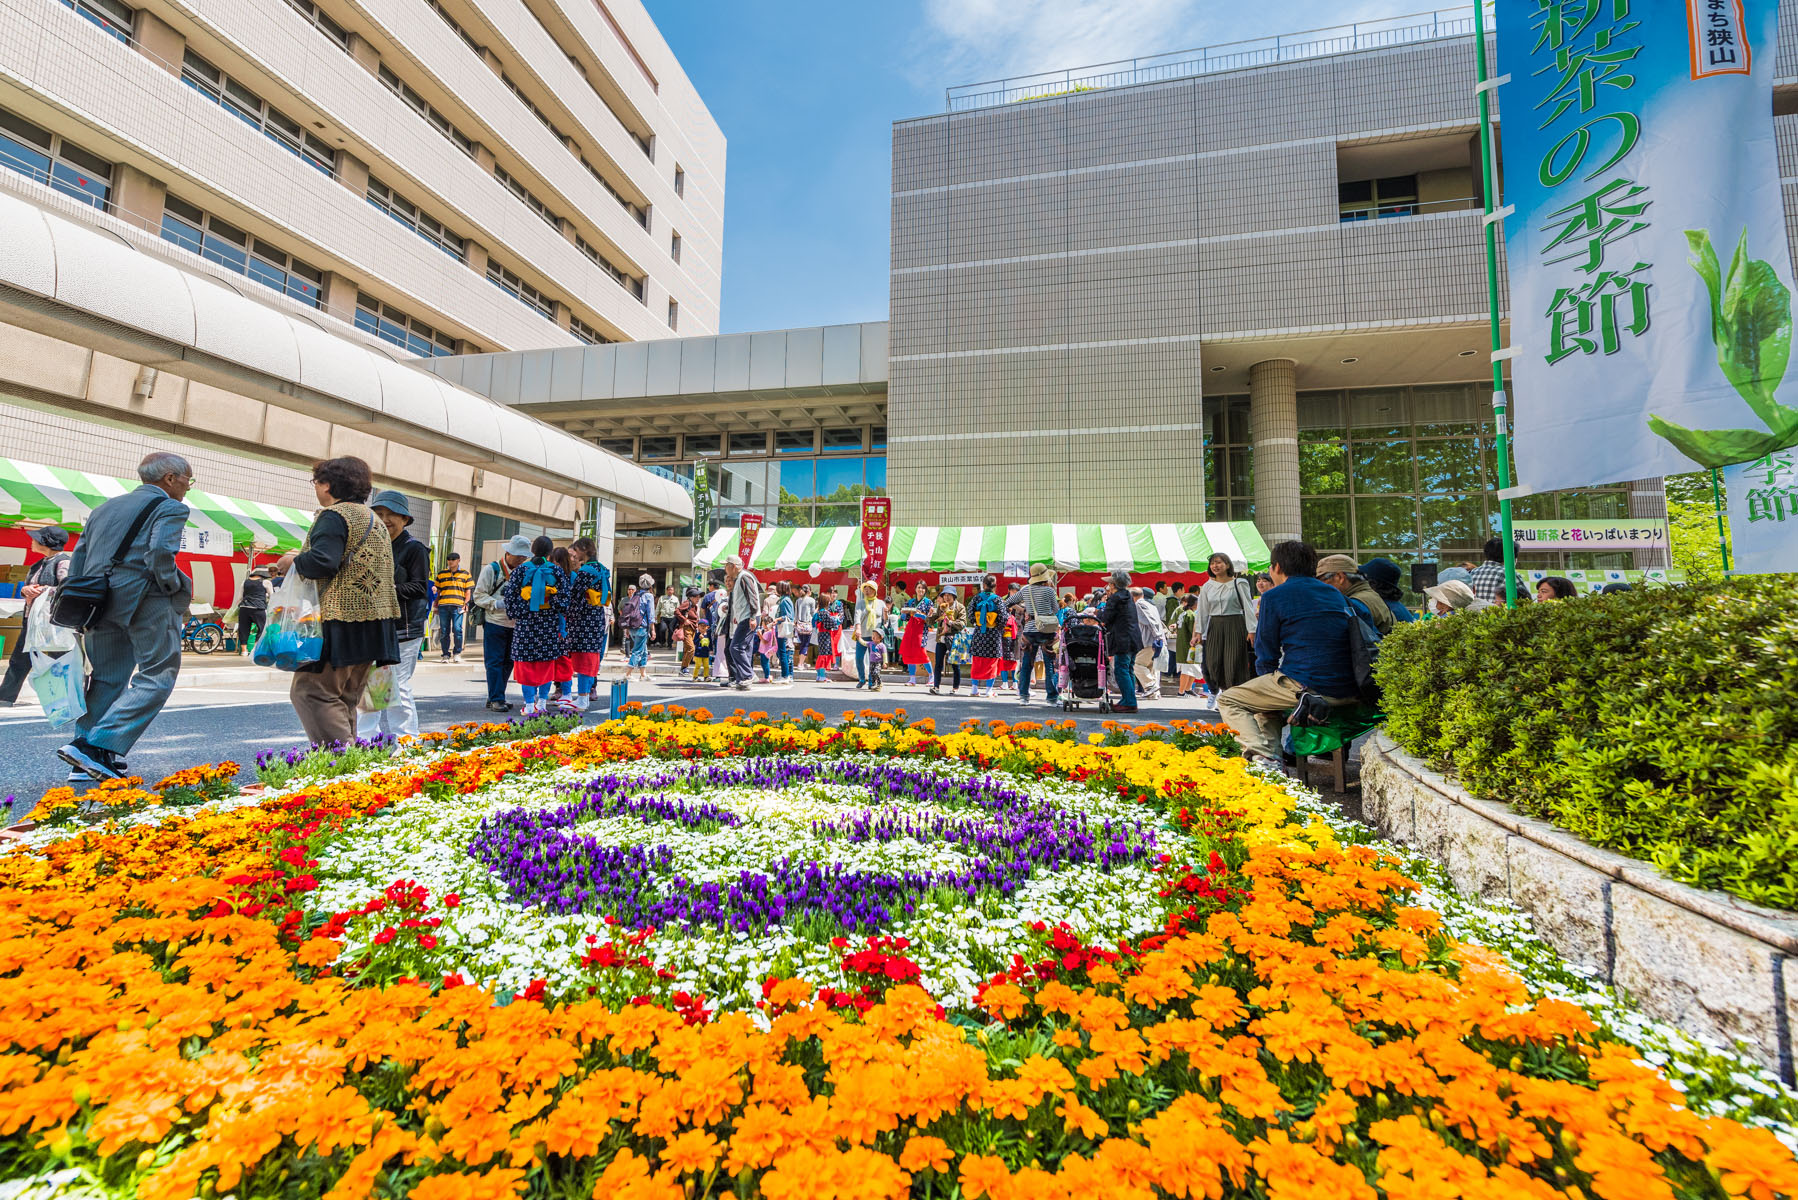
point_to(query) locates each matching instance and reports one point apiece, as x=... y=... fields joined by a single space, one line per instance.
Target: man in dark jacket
x=1301 y=644
x=252 y=611
x=1122 y=640
x=412 y=584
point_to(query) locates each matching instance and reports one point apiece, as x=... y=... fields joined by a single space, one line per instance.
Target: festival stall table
x=223 y=539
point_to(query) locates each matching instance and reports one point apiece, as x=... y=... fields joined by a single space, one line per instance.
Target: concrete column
x=159 y=41
x=458 y=531
x=567 y=228
x=492 y=61
x=1274 y=433
x=1648 y=499
x=137 y=197
x=476 y=257
x=483 y=158
x=366 y=56
x=339 y=293
x=564 y=316
x=352 y=172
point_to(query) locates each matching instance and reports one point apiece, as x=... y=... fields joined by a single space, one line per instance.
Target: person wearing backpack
x=496 y=626
x=45 y=574
x=536 y=595
x=1302 y=645
x=128 y=550
x=638 y=621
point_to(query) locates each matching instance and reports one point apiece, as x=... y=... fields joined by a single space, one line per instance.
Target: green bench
x=1333 y=740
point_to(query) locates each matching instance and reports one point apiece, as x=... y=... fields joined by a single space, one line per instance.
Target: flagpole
x=1722 y=536
x=1489 y=195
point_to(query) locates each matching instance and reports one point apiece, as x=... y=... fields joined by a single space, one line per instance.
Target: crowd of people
x=1255 y=645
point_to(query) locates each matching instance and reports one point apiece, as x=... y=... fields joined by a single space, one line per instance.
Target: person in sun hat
x=1038 y=614
x=1452 y=597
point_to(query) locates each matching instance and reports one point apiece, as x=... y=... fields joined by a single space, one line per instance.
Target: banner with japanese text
x=1763 y=513
x=749 y=527
x=1651 y=307
x=702 y=506
x=877 y=532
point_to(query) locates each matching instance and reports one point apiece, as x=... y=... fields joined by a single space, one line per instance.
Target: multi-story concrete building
x=397 y=180
x=1238 y=283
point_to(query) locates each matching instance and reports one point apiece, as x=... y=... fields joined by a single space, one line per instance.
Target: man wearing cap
x=453 y=585
x=45 y=574
x=1344 y=574
x=496 y=634
x=1039 y=622
x=412 y=585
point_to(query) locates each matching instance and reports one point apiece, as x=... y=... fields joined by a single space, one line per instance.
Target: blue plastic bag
x=295 y=636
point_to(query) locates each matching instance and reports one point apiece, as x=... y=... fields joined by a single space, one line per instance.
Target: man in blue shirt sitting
x=1301 y=644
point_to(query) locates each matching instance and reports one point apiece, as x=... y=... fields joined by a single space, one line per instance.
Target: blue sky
x=807 y=92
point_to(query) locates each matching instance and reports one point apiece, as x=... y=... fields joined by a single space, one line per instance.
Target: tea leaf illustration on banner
x=1751 y=326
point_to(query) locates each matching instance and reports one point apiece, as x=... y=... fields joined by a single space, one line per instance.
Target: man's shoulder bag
x=81 y=602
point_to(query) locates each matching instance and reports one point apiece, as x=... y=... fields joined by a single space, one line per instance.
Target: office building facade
x=411 y=178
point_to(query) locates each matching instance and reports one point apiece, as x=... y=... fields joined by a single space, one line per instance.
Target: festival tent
x=1157 y=549
x=216 y=548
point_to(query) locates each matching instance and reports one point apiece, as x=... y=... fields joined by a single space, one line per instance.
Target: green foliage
x=1692 y=524
x=1751 y=326
x=1659 y=723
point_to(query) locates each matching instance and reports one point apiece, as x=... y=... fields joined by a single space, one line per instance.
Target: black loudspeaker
x=1423 y=575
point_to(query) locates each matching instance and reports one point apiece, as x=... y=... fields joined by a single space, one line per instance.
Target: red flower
x=385 y=936
x=427 y=941
x=451 y=899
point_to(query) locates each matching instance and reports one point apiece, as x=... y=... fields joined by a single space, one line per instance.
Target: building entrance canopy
x=1170 y=549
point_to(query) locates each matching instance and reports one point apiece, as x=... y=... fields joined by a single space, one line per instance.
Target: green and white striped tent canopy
x=220 y=525
x=1167 y=548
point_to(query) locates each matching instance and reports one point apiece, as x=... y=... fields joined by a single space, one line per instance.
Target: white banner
x=1650 y=301
x=1763 y=513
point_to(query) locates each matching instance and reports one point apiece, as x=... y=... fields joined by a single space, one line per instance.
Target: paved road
x=215 y=723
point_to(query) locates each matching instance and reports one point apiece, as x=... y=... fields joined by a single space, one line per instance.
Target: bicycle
x=202 y=635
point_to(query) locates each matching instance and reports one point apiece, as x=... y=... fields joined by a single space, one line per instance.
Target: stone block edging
x=1706 y=962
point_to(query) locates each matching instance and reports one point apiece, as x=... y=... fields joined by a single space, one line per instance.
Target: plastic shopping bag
x=295 y=635
x=377 y=693
x=60 y=684
x=44 y=636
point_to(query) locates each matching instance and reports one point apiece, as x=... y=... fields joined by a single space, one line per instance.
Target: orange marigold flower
x=692 y=1152
x=926 y=1153
x=983 y=1175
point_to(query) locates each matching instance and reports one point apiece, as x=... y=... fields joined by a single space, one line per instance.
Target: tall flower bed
x=282 y=996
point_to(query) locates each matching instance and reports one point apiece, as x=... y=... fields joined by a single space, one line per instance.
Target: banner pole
x=1489 y=196
x=1722 y=535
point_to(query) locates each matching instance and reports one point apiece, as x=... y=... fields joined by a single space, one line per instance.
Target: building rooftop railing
x=1230 y=56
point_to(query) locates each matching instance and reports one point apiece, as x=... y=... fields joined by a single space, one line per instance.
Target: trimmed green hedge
x=1662 y=724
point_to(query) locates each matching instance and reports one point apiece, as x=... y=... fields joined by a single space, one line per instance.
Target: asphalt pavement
x=245 y=712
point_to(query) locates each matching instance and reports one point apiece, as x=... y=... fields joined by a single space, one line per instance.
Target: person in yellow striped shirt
x=453 y=585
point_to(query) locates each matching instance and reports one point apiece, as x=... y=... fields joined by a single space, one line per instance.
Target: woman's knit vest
x=362 y=589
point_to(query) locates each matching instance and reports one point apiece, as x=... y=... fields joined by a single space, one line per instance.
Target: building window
x=748 y=445
x=531 y=202
x=418 y=104
x=705 y=445
x=409 y=215
x=651 y=449
x=624 y=279
x=795 y=441
x=257 y=113
x=321 y=22
x=674 y=246
x=521 y=291
x=230 y=247
x=623 y=447
x=535 y=111
x=109 y=15
x=587 y=333
x=638 y=212
x=1369 y=199
x=680 y=181
x=840 y=441
x=38 y=154
x=460 y=32
x=673 y=314
x=408 y=333
x=877 y=438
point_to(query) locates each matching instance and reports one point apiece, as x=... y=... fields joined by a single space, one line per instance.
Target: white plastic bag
x=294 y=635
x=378 y=692
x=60 y=684
x=44 y=636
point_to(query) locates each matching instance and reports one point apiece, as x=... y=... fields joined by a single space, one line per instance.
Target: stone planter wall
x=1706 y=962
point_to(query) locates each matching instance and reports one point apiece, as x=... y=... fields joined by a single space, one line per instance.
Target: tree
x=1692 y=524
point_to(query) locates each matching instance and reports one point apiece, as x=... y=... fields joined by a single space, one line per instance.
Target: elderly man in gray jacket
x=140 y=629
x=745 y=605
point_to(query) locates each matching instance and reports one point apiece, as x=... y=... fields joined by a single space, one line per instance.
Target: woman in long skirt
x=1225 y=602
x=986 y=617
x=917 y=612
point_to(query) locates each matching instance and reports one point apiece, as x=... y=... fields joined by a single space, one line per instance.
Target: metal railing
x=1230 y=56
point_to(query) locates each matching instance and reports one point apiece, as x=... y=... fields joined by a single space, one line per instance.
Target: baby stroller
x=1082 y=666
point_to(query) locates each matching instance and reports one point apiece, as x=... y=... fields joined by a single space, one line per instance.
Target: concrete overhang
x=94 y=286
x=824 y=375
